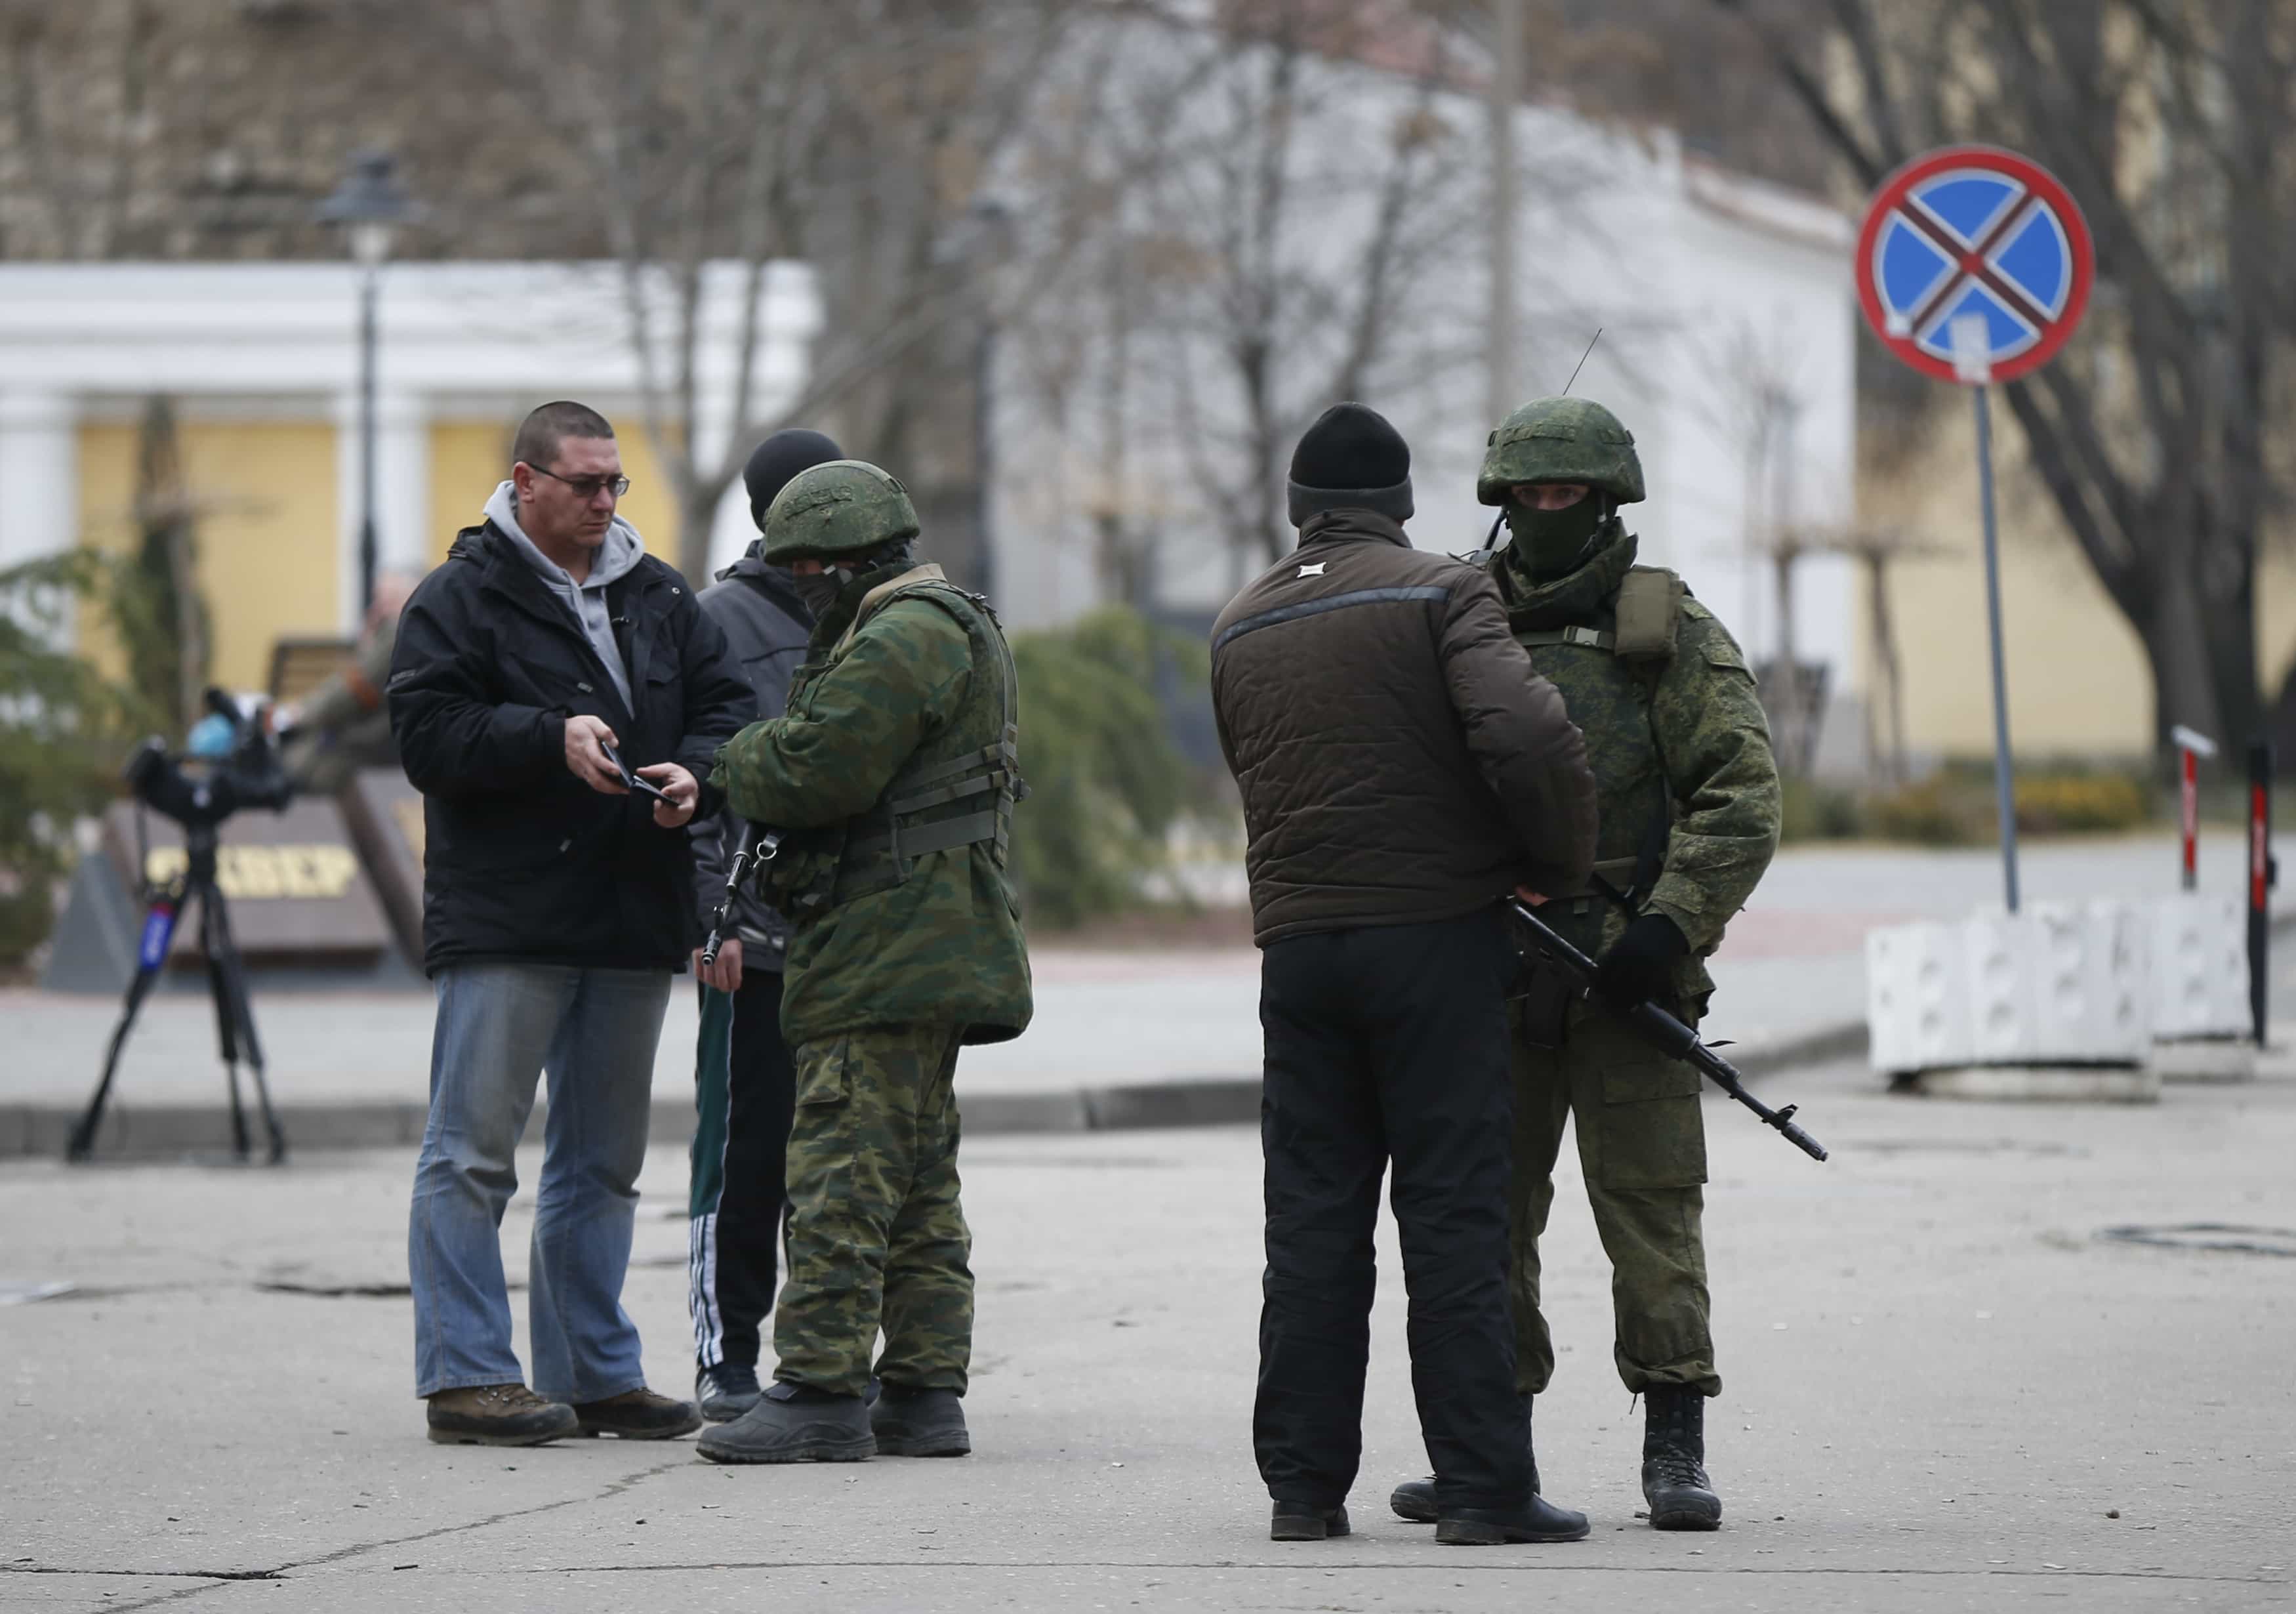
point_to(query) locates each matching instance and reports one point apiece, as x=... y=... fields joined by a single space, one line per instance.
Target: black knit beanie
x=781 y=456
x=1351 y=459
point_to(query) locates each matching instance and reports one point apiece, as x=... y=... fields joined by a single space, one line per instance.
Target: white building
x=1726 y=304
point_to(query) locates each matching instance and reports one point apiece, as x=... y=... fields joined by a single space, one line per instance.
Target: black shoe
x=920 y=1423
x=1542 y=1520
x=1415 y=1499
x=497 y=1414
x=1681 y=1496
x=1305 y=1521
x=638 y=1414
x=791 y=1423
x=726 y=1391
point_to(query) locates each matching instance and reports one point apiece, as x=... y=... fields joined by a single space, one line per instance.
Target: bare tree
x=744 y=132
x=2167 y=119
x=160 y=615
x=171 y=129
x=1294 y=202
x=1755 y=399
x=1876 y=549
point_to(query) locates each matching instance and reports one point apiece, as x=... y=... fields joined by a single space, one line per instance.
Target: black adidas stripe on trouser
x=745 y=1085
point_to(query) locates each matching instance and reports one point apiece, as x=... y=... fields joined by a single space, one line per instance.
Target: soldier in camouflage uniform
x=1689 y=803
x=892 y=778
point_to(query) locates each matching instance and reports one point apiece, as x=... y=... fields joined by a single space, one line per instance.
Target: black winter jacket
x=767 y=625
x=523 y=861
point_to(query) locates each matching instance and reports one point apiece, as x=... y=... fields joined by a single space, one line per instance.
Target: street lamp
x=370 y=207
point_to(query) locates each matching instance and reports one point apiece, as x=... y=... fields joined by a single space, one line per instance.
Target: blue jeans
x=499 y=1026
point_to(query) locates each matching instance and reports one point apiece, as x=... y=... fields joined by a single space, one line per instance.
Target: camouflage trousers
x=877 y=1240
x=1642 y=1143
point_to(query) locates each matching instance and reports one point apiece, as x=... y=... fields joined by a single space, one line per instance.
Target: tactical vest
x=1647 y=610
x=959 y=789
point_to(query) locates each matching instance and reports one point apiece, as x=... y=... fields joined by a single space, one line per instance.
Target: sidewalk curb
x=146 y=1131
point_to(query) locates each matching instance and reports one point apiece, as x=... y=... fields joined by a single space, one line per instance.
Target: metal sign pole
x=2262 y=876
x=1972 y=357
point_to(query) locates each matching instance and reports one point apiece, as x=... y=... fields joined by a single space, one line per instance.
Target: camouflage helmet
x=844 y=507
x=1560 y=439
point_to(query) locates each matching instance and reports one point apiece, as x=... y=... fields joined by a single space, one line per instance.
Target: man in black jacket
x=1402 y=768
x=744 y=1078
x=545 y=657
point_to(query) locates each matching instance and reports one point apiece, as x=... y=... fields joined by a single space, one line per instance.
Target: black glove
x=1640 y=966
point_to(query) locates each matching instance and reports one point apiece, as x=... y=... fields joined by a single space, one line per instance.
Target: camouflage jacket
x=909 y=681
x=1681 y=734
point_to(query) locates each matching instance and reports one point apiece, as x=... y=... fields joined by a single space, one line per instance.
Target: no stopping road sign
x=1970 y=235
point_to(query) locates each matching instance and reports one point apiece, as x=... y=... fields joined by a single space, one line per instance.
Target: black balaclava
x=821 y=589
x=1551 y=544
x=1350 y=459
x=781 y=456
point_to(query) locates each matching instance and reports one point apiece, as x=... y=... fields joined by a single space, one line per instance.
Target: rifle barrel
x=1668 y=1034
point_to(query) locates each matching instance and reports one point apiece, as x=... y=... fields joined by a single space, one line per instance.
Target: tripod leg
x=214 y=941
x=151 y=957
x=242 y=1017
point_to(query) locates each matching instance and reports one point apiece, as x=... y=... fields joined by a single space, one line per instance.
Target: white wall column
x=39 y=477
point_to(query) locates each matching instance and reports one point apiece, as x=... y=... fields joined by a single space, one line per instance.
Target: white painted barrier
x=2199 y=967
x=2200 y=989
x=2059 y=984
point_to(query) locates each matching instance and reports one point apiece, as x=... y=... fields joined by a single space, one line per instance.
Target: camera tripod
x=227 y=986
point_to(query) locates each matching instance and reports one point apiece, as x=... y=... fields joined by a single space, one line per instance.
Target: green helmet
x=1560 y=439
x=845 y=507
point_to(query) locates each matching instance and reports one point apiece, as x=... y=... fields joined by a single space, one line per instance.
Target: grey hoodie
x=622 y=550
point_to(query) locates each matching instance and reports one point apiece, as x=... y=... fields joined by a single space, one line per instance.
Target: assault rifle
x=1662 y=1031
x=758 y=847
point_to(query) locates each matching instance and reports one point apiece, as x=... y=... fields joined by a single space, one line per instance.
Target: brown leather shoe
x=638 y=1414
x=498 y=1415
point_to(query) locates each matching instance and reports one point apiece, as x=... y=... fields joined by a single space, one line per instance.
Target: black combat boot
x=920 y=1423
x=1415 y=1499
x=794 y=1423
x=1681 y=1496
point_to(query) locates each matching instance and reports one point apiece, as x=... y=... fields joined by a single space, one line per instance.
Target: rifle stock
x=1664 y=1032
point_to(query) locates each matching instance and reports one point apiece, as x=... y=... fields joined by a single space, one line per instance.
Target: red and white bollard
x=2191 y=747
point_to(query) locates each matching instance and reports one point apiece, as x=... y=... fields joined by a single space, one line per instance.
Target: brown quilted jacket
x=1400 y=761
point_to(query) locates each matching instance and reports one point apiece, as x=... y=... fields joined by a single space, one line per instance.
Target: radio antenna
x=1581 y=364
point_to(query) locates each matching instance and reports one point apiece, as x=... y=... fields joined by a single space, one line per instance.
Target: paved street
x=1943 y=1391
x=1792 y=970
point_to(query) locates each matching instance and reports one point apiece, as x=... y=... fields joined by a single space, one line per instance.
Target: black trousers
x=745 y=1089
x=1387 y=1044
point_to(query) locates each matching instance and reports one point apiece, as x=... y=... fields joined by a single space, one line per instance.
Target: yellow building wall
x=2079 y=684
x=268 y=552
x=470 y=458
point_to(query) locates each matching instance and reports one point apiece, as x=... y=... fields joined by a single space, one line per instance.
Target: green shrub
x=1812 y=811
x=64 y=733
x=2070 y=804
x=1106 y=783
x=1956 y=806
x=1940 y=811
